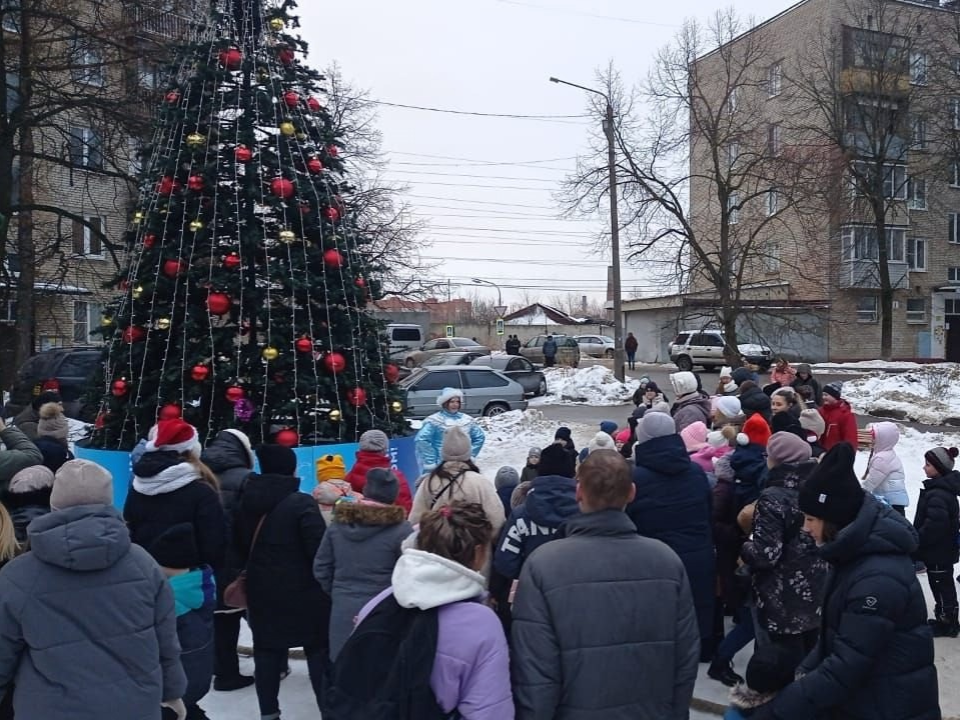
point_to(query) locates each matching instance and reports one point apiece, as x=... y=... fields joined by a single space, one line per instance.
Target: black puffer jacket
x=230 y=460
x=874 y=660
x=938 y=520
x=288 y=608
x=789 y=576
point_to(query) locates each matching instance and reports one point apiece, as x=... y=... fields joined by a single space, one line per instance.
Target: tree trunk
x=886 y=288
x=26 y=252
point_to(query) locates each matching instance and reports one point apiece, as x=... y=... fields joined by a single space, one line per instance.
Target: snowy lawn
x=926 y=394
x=595 y=385
x=878 y=365
x=511 y=435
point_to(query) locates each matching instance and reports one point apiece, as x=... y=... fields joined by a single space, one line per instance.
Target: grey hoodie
x=88 y=628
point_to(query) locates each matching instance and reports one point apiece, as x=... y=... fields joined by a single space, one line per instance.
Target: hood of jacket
x=162 y=472
x=368 y=459
x=329 y=491
x=667 y=455
x=262 y=493
x=949 y=482
x=424 y=580
x=193 y=590
x=876 y=530
x=552 y=499
x=83 y=538
x=790 y=475
x=225 y=453
x=885 y=436
x=695 y=398
x=755 y=400
x=360 y=520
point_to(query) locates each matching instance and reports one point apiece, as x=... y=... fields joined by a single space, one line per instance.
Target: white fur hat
x=448 y=394
x=726 y=371
x=684 y=382
x=716 y=439
x=601 y=441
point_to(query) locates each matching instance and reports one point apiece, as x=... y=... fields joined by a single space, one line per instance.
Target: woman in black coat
x=286 y=606
x=874 y=658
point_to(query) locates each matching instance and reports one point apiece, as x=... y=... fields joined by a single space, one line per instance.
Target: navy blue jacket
x=749 y=465
x=874 y=660
x=938 y=520
x=551 y=500
x=673 y=506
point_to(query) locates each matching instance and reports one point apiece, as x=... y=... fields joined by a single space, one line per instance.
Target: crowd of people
x=589 y=583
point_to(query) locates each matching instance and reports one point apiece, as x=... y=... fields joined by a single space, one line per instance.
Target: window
x=733 y=208
x=955 y=113
x=11 y=15
x=84 y=147
x=771 y=257
x=953 y=275
x=917 y=194
x=774 y=79
x=85 y=239
x=956 y=65
x=484 y=379
x=401 y=334
x=733 y=152
x=86 y=317
x=773 y=201
x=863 y=180
x=917 y=254
x=135 y=147
x=918 y=132
x=87 y=64
x=439 y=380
x=734 y=100
x=895 y=182
x=859 y=242
x=773 y=140
x=875 y=50
x=868 y=309
x=148 y=75
x=916 y=310
x=918 y=68
x=12 y=89
x=953 y=228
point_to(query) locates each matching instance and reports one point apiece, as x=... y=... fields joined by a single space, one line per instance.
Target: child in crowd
x=811 y=421
x=28 y=497
x=530 y=469
x=725 y=384
x=694 y=437
x=52 y=432
x=938 y=523
x=506 y=482
x=885 y=477
x=769 y=671
x=332 y=485
x=374 y=452
x=716 y=447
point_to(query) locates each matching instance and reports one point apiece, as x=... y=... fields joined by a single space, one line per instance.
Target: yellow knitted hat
x=331 y=467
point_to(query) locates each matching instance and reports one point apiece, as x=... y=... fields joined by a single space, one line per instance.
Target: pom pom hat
x=755 y=431
x=175 y=436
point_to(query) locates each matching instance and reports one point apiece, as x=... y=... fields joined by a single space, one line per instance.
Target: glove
x=177 y=706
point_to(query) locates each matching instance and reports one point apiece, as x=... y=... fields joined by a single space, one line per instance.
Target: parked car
x=402 y=338
x=486 y=391
x=443 y=345
x=705 y=347
x=596 y=345
x=516 y=368
x=568 y=351
x=452 y=358
x=67 y=370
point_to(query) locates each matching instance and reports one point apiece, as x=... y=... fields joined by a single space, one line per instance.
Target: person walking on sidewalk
x=549 y=351
x=630 y=346
x=938 y=524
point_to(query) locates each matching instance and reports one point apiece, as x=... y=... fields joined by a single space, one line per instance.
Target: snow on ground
x=511 y=435
x=928 y=394
x=595 y=385
x=878 y=365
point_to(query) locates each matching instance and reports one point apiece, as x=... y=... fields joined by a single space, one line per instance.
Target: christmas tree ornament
x=334 y=362
x=287 y=437
x=314 y=105
x=243 y=410
x=172 y=97
x=106 y=321
x=277 y=24
x=291 y=99
x=170 y=411
x=315 y=166
x=163 y=323
x=332 y=214
x=391 y=372
x=195 y=183
x=196 y=225
x=149 y=240
x=137 y=292
x=243 y=154
x=332 y=258
x=360 y=283
x=270 y=353
x=133 y=334
x=335 y=416
x=286 y=56
x=219 y=303
x=301 y=136
x=396 y=406
x=304 y=345
x=333 y=150
x=195 y=140
x=231 y=261
x=231 y=58
x=101 y=421
x=137 y=218
x=119 y=388
x=357 y=397
x=172 y=268
x=287 y=236
x=168 y=186
x=283 y=188
x=288 y=128
x=199 y=373
x=234 y=393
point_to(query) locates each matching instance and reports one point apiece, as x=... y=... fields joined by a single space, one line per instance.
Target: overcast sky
x=486 y=184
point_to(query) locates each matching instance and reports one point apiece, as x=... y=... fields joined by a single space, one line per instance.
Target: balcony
x=159 y=23
x=865 y=275
x=887 y=82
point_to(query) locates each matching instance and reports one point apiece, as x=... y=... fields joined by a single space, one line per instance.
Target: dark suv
x=68 y=370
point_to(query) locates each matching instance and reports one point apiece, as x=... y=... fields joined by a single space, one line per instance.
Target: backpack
x=383 y=671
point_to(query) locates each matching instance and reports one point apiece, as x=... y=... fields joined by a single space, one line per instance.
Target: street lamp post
x=500 y=309
x=609 y=132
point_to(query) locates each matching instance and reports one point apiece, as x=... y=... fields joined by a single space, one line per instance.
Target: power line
x=475 y=185
x=568 y=11
x=466 y=175
x=533 y=166
x=562 y=119
x=480 y=202
x=513 y=232
x=480 y=161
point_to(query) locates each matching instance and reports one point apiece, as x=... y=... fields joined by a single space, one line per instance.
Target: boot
x=722 y=671
x=947 y=625
x=228 y=684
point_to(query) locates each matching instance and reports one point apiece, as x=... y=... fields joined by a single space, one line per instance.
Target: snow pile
x=878 y=365
x=929 y=395
x=593 y=385
x=511 y=435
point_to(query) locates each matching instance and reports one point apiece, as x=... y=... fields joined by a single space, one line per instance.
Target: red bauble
x=360 y=283
x=170 y=411
x=243 y=154
x=149 y=240
x=334 y=362
x=286 y=56
x=291 y=99
x=287 y=437
x=304 y=345
x=168 y=185
x=357 y=397
x=101 y=420
x=173 y=97
x=219 y=303
x=172 y=268
x=234 y=393
x=231 y=58
x=332 y=214
x=133 y=333
x=391 y=372
x=199 y=373
x=283 y=188
x=333 y=150
x=333 y=258
x=195 y=182
x=231 y=261
x=314 y=105
x=314 y=165
x=119 y=388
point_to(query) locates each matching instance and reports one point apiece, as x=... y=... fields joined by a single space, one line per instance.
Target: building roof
x=540 y=314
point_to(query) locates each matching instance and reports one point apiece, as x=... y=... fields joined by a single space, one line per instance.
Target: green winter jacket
x=20 y=453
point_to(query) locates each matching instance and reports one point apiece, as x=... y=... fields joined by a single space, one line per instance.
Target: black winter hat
x=563 y=433
x=47 y=396
x=832 y=491
x=741 y=375
x=771 y=668
x=382 y=486
x=554 y=460
x=176 y=547
x=277 y=460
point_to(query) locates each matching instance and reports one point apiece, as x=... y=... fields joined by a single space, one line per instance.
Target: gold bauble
x=106 y=321
x=335 y=416
x=137 y=292
x=301 y=136
x=137 y=218
x=396 y=406
x=163 y=323
x=196 y=226
x=195 y=139
x=270 y=353
x=288 y=129
x=288 y=236
x=277 y=24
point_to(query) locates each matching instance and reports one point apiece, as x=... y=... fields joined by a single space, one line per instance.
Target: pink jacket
x=705 y=456
x=784 y=377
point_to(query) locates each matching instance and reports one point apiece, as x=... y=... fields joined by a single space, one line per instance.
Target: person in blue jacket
x=672 y=505
x=429 y=439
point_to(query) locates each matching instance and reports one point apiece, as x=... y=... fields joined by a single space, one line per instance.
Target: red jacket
x=367 y=460
x=841 y=425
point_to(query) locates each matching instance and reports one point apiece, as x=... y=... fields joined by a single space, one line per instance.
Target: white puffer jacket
x=885 y=476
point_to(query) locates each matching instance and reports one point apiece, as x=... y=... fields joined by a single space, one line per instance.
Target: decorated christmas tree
x=244 y=302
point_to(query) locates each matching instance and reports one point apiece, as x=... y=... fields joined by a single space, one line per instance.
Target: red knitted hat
x=174 y=435
x=755 y=431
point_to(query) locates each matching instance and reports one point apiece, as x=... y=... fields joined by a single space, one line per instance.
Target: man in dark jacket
x=513 y=345
x=551 y=500
x=29 y=417
x=549 y=351
x=230 y=457
x=672 y=504
x=874 y=659
x=287 y=606
x=599 y=599
x=88 y=628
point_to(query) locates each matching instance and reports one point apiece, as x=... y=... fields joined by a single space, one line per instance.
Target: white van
x=404 y=338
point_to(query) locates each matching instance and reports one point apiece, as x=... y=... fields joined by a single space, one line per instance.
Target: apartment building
x=847 y=120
